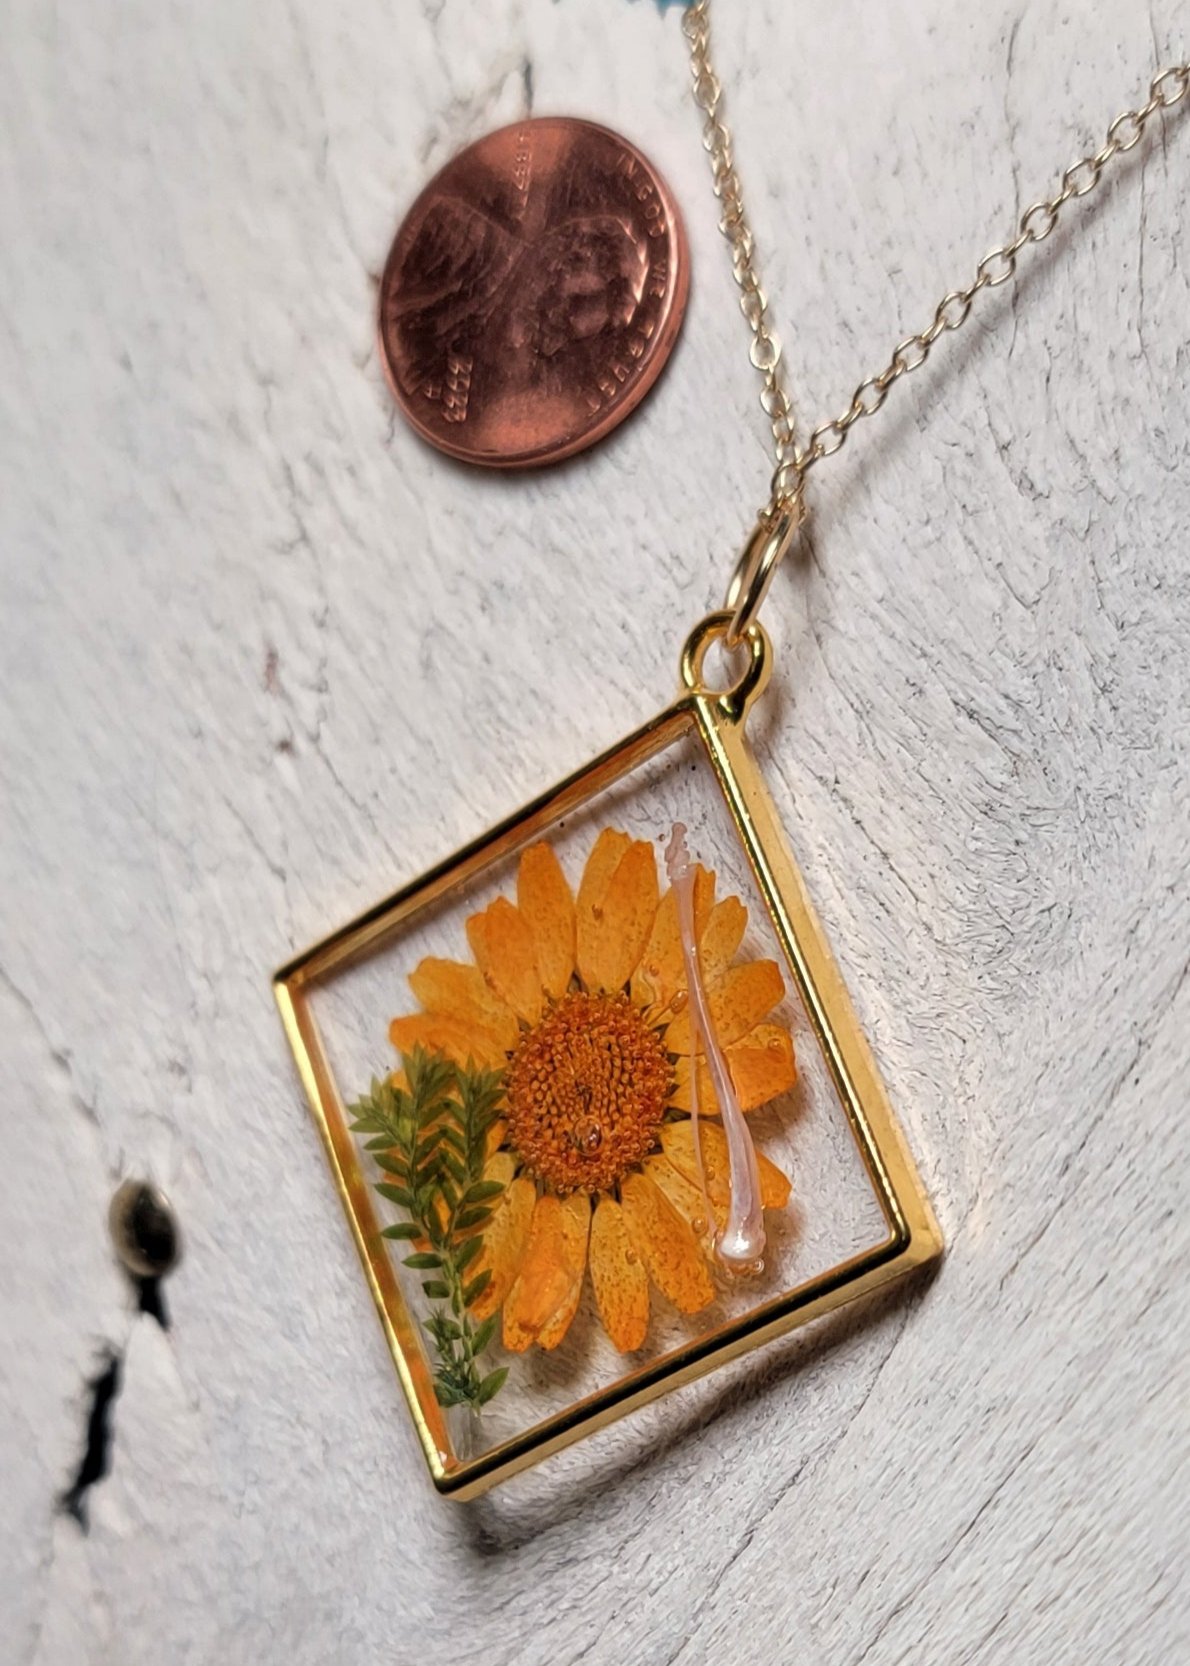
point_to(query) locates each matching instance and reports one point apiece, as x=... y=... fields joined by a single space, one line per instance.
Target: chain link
x=793 y=459
x=765 y=351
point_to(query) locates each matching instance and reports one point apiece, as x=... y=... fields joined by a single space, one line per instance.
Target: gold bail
x=767 y=547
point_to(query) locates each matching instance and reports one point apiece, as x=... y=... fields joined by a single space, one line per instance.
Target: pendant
x=595 y=1099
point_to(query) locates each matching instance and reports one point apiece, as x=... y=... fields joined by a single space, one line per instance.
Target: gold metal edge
x=352 y=1190
x=914 y=1236
x=842 y=1284
x=820 y=984
x=370 y=929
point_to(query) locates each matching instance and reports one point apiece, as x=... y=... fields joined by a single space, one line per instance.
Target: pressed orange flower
x=582 y=1003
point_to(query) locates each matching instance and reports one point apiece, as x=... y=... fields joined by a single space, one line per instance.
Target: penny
x=533 y=293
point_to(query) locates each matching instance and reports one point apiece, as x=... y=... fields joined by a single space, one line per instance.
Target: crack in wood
x=96 y=1461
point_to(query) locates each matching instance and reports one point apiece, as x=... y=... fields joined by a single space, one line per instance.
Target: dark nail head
x=144 y=1230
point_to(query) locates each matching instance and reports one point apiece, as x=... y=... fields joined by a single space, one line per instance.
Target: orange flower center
x=587 y=1087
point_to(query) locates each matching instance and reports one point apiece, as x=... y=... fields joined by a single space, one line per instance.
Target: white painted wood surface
x=264 y=656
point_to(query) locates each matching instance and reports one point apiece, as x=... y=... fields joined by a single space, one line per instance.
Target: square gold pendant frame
x=716 y=721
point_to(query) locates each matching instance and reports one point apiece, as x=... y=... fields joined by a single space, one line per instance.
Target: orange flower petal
x=762 y=1065
x=504 y=1240
x=614 y=929
x=662 y=969
x=666 y=1243
x=686 y=1198
x=686 y=1070
x=455 y=990
x=618 y=1278
x=721 y=937
x=543 y=1284
x=502 y=945
x=738 y=1001
x=677 y=1141
x=460 y=1042
x=576 y=1225
x=775 y=1185
x=547 y=907
x=602 y=863
x=762 y=1068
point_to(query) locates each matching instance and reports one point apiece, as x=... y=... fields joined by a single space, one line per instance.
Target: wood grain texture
x=264 y=656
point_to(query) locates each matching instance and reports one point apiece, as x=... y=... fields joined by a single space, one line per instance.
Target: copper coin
x=533 y=293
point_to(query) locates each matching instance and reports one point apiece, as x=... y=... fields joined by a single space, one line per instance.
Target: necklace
x=785 y=509
x=592 y=1091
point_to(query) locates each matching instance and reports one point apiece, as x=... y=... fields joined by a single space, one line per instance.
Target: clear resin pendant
x=595 y=1099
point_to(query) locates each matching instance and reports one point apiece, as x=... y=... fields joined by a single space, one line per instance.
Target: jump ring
x=734 y=700
x=762 y=555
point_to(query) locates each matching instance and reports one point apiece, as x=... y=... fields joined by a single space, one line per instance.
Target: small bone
x=740 y=1245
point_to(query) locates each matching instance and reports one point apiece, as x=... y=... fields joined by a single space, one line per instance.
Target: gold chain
x=792 y=459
